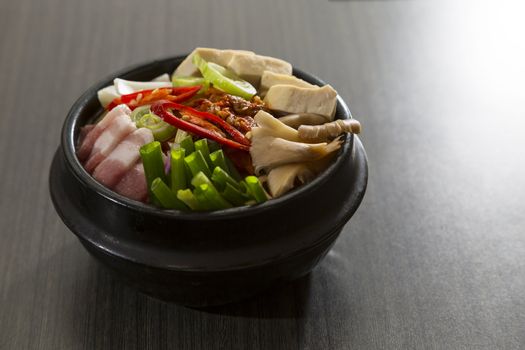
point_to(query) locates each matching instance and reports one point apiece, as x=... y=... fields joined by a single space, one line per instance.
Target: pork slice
x=112 y=169
x=133 y=185
x=121 y=127
x=88 y=142
x=86 y=129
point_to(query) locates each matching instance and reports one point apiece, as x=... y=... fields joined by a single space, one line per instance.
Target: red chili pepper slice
x=180 y=94
x=160 y=108
x=184 y=96
x=235 y=134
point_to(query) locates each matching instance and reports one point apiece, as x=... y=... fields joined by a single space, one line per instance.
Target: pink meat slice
x=86 y=129
x=89 y=141
x=133 y=185
x=112 y=169
x=120 y=127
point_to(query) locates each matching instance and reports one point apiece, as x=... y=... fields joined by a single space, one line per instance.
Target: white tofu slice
x=220 y=57
x=294 y=99
x=269 y=79
x=251 y=67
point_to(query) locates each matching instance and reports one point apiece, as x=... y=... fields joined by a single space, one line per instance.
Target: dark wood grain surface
x=434 y=257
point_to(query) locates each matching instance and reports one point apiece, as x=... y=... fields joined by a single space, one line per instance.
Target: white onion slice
x=164 y=78
x=125 y=87
x=107 y=94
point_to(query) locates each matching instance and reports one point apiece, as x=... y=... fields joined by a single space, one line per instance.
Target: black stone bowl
x=211 y=258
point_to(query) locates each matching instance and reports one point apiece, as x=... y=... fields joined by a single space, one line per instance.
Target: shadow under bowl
x=201 y=259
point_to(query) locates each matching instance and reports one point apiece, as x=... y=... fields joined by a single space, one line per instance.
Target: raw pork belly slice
x=112 y=169
x=87 y=144
x=133 y=185
x=120 y=127
x=86 y=129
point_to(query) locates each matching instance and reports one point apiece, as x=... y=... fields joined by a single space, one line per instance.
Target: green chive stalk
x=256 y=189
x=202 y=145
x=197 y=163
x=151 y=155
x=189 y=199
x=204 y=203
x=187 y=144
x=213 y=199
x=219 y=160
x=165 y=196
x=220 y=178
x=178 y=170
x=234 y=196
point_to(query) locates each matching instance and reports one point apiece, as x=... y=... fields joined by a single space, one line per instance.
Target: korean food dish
x=228 y=128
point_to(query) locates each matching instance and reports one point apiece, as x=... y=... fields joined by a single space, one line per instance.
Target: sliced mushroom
x=296 y=120
x=283 y=178
x=327 y=131
x=267 y=125
x=269 y=152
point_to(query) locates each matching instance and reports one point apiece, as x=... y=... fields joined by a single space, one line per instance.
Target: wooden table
x=434 y=257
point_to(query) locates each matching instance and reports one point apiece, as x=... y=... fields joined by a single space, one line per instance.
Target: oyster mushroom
x=275 y=144
x=319 y=133
x=283 y=178
x=269 y=152
x=267 y=125
x=296 y=120
x=286 y=177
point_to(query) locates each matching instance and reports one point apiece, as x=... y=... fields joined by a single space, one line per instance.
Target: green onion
x=234 y=196
x=219 y=160
x=224 y=79
x=138 y=112
x=213 y=199
x=186 y=81
x=178 y=170
x=180 y=135
x=187 y=144
x=220 y=178
x=165 y=196
x=196 y=163
x=184 y=141
x=199 y=179
x=245 y=191
x=204 y=203
x=151 y=154
x=161 y=130
x=189 y=199
x=202 y=145
x=190 y=81
x=256 y=189
x=213 y=146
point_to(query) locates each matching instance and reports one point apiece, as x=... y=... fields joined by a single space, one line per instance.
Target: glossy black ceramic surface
x=204 y=258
